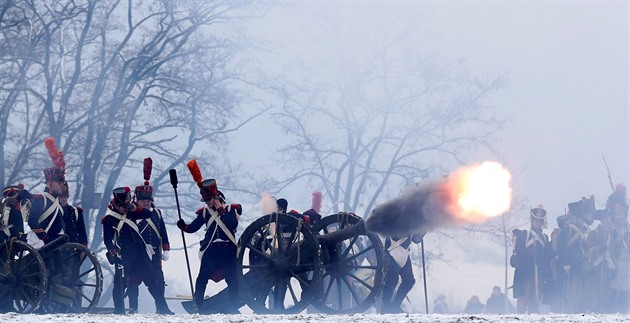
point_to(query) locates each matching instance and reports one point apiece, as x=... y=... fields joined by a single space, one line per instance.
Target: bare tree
x=374 y=117
x=113 y=82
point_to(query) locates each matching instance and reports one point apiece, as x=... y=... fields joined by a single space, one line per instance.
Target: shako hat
x=582 y=207
x=538 y=213
x=283 y=205
x=12 y=190
x=122 y=195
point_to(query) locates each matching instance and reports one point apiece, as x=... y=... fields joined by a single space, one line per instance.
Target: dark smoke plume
x=417 y=211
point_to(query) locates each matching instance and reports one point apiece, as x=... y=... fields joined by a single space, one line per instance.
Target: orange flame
x=480 y=191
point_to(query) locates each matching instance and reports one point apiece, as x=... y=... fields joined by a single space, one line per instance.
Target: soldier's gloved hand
x=181 y=224
x=165 y=255
x=417 y=238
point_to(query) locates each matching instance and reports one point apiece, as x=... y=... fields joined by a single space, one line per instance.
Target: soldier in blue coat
x=154 y=233
x=73 y=224
x=45 y=217
x=218 y=247
x=531 y=260
x=127 y=249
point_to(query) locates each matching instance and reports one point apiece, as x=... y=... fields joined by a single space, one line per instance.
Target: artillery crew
x=218 y=247
x=579 y=270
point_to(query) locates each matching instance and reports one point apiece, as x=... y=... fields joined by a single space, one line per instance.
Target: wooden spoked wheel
x=23 y=277
x=278 y=264
x=353 y=265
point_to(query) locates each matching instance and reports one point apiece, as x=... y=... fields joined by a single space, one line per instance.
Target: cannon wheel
x=278 y=270
x=23 y=276
x=76 y=285
x=353 y=268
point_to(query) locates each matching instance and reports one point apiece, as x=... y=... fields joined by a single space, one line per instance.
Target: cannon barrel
x=343 y=234
x=51 y=246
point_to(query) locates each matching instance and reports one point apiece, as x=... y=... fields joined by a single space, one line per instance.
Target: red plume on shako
x=57 y=173
x=145 y=192
x=207 y=188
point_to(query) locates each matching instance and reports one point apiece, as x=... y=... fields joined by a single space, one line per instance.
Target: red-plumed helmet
x=207 y=188
x=145 y=192
x=57 y=173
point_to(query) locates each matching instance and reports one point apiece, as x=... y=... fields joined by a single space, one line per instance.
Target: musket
x=609 y=177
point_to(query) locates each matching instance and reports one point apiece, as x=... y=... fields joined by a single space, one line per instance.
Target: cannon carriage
x=58 y=277
x=285 y=266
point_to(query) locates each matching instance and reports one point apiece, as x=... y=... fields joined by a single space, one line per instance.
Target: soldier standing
x=45 y=218
x=618 y=206
x=601 y=267
x=73 y=224
x=218 y=247
x=572 y=253
x=127 y=249
x=154 y=233
x=531 y=258
x=11 y=221
x=11 y=226
x=399 y=267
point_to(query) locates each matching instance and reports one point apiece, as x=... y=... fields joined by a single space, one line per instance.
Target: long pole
x=424 y=277
x=608 y=170
x=173 y=174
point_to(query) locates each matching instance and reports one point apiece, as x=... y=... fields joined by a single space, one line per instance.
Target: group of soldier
x=134 y=233
x=582 y=266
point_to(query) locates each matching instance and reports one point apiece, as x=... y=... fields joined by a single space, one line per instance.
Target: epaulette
x=294 y=212
x=200 y=210
x=79 y=209
x=104 y=219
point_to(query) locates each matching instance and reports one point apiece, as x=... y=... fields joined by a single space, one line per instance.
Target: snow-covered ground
x=319 y=318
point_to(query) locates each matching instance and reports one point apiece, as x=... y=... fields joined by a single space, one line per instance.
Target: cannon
x=59 y=277
x=285 y=266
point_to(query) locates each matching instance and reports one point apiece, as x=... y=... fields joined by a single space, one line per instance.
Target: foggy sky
x=566 y=99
